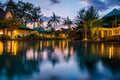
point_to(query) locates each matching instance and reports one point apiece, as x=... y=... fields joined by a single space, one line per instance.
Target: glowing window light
x=1 y=33
x=1 y=48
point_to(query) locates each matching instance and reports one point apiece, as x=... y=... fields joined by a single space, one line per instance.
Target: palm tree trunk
x=85 y=38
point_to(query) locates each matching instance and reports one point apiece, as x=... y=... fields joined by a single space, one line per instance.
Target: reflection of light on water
x=47 y=43
x=1 y=48
x=102 y=48
x=63 y=45
x=14 y=47
x=53 y=43
x=71 y=50
x=31 y=55
x=45 y=55
x=66 y=52
x=41 y=45
x=58 y=52
x=110 y=51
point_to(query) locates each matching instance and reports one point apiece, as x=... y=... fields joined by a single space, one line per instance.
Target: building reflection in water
x=57 y=58
x=109 y=50
x=60 y=49
x=50 y=49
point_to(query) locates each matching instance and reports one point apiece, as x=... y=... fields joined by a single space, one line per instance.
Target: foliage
x=94 y=26
x=96 y=23
x=84 y=18
x=10 y=23
x=53 y=21
x=24 y=11
x=67 y=22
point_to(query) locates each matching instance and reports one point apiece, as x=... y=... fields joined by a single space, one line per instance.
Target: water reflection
x=59 y=60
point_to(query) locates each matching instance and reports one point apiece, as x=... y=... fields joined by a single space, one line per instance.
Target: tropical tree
x=23 y=11
x=95 y=26
x=40 y=23
x=10 y=4
x=67 y=22
x=84 y=18
x=35 y=15
x=53 y=21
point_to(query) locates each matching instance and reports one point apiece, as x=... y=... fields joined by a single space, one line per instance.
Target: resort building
x=5 y=15
x=12 y=33
x=111 y=25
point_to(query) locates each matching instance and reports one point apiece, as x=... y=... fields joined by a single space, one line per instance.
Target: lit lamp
x=1 y=33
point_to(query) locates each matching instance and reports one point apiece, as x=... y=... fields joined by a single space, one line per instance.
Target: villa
x=111 y=25
x=4 y=31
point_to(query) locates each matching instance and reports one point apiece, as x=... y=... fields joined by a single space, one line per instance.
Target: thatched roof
x=3 y=13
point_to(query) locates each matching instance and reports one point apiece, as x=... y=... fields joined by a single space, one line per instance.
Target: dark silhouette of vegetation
x=67 y=22
x=84 y=18
x=53 y=21
x=24 y=11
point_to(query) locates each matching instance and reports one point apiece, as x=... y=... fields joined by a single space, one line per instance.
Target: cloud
x=102 y=4
x=55 y=1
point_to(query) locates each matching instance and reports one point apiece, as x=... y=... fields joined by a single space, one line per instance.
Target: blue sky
x=69 y=8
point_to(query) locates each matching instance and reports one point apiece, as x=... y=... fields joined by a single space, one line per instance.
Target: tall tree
x=35 y=15
x=23 y=11
x=67 y=22
x=54 y=21
x=84 y=18
x=10 y=4
x=1 y=5
x=94 y=27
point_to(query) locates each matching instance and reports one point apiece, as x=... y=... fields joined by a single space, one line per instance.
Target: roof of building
x=3 y=13
x=25 y=28
x=42 y=30
x=113 y=13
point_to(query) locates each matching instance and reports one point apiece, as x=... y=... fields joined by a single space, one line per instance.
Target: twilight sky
x=69 y=8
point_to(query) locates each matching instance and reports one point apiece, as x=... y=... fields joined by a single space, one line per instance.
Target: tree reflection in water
x=59 y=60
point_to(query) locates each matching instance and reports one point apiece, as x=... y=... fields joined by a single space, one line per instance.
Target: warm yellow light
x=1 y=48
x=72 y=28
x=111 y=52
x=60 y=29
x=102 y=48
x=1 y=33
x=14 y=48
x=15 y=31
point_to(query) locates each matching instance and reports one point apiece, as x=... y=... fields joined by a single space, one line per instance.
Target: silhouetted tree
x=67 y=22
x=84 y=18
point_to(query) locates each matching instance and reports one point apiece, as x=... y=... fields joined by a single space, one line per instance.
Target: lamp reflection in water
x=31 y=55
x=1 y=48
x=14 y=48
x=111 y=51
x=9 y=47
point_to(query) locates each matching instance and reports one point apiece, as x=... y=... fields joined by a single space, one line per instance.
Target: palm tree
x=35 y=14
x=95 y=24
x=23 y=11
x=84 y=18
x=53 y=21
x=67 y=22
